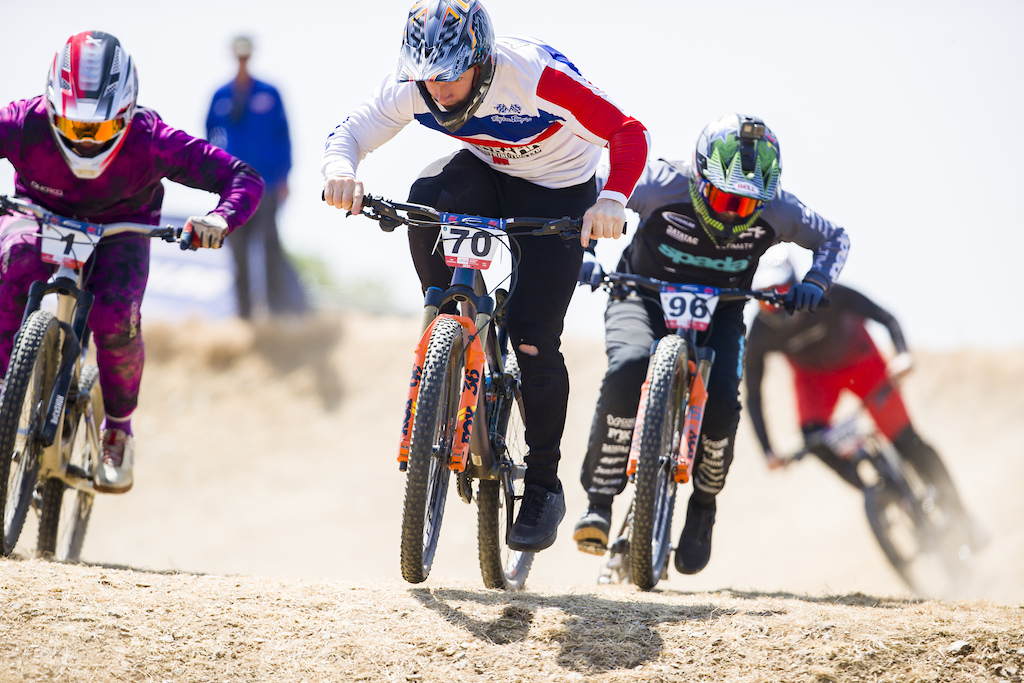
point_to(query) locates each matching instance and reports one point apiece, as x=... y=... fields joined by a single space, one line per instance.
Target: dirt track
x=270 y=452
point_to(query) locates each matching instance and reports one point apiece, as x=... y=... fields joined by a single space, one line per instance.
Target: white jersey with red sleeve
x=540 y=120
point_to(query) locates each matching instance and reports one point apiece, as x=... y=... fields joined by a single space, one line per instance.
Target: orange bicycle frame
x=468 y=397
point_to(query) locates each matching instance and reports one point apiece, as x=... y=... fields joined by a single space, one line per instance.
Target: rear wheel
x=655 y=497
x=430 y=449
x=64 y=510
x=501 y=566
x=914 y=526
x=26 y=393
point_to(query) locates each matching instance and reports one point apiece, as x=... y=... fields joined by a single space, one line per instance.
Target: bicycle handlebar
x=168 y=233
x=389 y=215
x=616 y=281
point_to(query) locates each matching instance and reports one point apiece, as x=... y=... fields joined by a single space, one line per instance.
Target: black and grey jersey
x=670 y=244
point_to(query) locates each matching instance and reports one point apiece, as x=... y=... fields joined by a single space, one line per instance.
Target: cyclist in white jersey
x=532 y=129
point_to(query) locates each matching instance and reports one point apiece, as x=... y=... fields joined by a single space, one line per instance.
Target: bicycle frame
x=478 y=311
x=73 y=307
x=700 y=361
x=475 y=321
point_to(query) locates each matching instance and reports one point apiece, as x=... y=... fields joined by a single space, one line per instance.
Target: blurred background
x=894 y=118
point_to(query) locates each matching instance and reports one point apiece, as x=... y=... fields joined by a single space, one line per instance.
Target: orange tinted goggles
x=722 y=202
x=79 y=131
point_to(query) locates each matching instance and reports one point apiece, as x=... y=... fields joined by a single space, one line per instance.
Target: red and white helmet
x=91 y=92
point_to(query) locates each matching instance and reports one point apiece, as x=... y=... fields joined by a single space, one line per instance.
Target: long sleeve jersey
x=670 y=244
x=834 y=336
x=540 y=120
x=130 y=188
x=252 y=126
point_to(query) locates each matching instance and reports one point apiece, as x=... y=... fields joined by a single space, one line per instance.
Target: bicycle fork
x=694 y=419
x=73 y=304
x=697 y=397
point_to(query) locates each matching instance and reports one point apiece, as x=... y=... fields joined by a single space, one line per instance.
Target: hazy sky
x=894 y=119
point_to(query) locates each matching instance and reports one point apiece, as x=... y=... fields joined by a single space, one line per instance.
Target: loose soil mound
x=261 y=540
x=67 y=623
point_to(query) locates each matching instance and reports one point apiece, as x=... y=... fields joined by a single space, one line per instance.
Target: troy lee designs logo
x=509 y=113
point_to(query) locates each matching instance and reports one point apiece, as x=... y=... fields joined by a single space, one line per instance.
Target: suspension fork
x=700 y=372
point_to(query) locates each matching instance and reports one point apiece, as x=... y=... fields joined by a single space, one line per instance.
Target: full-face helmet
x=91 y=92
x=442 y=40
x=735 y=172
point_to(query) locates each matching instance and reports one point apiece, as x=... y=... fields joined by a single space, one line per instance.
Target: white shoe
x=114 y=474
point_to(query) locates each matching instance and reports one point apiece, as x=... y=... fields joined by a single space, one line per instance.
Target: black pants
x=548 y=269
x=631 y=326
x=265 y=280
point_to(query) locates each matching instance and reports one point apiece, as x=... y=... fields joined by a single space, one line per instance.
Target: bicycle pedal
x=620 y=546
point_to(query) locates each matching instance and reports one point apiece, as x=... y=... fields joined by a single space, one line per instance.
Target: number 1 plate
x=59 y=245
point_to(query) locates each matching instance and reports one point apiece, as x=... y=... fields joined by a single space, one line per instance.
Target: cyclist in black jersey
x=704 y=222
x=830 y=352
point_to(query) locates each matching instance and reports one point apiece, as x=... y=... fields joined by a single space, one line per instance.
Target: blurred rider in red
x=831 y=351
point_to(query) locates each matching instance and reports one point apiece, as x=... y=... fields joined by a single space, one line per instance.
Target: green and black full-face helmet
x=735 y=173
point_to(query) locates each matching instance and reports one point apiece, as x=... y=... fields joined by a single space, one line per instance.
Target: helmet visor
x=82 y=131
x=726 y=202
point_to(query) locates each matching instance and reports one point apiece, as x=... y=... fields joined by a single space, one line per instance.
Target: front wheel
x=430 y=448
x=64 y=510
x=654 y=500
x=26 y=393
x=500 y=566
x=912 y=524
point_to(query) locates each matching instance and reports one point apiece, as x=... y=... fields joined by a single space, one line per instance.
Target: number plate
x=689 y=307
x=472 y=246
x=64 y=246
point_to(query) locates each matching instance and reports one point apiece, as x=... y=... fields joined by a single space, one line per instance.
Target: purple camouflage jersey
x=130 y=190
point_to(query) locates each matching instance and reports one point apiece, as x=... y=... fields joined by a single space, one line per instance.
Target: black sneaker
x=694 y=549
x=537 y=524
x=591 y=534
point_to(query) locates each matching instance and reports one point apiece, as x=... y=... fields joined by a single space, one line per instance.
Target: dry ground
x=260 y=542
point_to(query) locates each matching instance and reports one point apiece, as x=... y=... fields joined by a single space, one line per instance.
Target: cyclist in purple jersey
x=85 y=150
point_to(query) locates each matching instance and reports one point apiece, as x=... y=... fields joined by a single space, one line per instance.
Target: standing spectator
x=247 y=120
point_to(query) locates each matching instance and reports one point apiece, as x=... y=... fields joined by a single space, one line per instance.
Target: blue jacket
x=257 y=133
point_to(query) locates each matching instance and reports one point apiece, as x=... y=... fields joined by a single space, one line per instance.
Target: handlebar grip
x=185 y=239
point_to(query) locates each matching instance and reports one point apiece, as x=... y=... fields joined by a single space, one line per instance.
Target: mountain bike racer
x=705 y=222
x=532 y=129
x=829 y=352
x=85 y=149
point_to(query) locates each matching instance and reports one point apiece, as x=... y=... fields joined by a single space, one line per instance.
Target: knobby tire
x=30 y=375
x=64 y=511
x=911 y=526
x=655 y=494
x=500 y=566
x=430 y=449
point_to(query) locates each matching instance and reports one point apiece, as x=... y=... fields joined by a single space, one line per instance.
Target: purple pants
x=118 y=271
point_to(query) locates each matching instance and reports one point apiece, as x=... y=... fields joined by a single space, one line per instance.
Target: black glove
x=591 y=272
x=804 y=296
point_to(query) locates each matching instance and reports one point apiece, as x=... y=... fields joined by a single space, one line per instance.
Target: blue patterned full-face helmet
x=735 y=173
x=442 y=40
